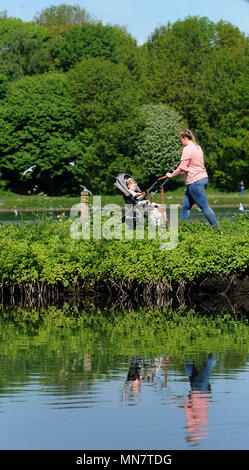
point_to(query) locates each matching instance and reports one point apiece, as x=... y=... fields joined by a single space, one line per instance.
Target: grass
x=42 y=201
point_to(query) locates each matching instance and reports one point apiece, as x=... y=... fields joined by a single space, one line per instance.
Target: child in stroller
x=135 y=198
x=132 y=188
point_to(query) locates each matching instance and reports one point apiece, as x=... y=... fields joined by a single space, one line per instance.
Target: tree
x=95 y=40
x=62 y=15
x=37 y=127
x=201 y=69
x=3 y=14
x=7 y=26
x=158 y=146
x=107 y=99
x=23 y=49
x=174 y=55
x=221 y=104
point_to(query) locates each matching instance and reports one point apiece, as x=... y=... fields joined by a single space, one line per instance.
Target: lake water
x=125 y=381
x=122 y=382
x=20 y=216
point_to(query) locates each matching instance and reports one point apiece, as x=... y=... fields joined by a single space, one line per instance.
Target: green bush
x=46 y=252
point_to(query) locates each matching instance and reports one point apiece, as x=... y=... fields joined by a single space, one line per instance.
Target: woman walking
x=196 y=178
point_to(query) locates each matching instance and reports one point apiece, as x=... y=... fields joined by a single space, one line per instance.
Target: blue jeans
x=199 y=379
x=196 y=194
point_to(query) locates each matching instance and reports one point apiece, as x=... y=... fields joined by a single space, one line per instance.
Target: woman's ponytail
x=189 y=134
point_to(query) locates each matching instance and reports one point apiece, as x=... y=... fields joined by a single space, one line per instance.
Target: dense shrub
x=45 y=251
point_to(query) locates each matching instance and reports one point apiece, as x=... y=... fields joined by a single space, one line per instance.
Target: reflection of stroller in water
x=137 y=204
x=140 y=372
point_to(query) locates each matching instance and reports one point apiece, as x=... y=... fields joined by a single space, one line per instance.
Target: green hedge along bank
x=43 y=259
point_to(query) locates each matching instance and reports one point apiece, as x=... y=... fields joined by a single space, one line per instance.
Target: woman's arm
x=174 y=173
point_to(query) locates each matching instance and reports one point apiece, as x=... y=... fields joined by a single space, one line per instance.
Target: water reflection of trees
x=74 y=355
x=70 y=360
x=66 y=366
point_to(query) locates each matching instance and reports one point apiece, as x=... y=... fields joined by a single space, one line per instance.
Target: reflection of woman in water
x=199 y=379
x=197 y=404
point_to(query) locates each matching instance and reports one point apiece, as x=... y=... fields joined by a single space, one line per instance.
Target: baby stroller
x=138 y=207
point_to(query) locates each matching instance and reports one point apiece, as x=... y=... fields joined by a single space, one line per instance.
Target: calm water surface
x=94 y=388
x=19 y=217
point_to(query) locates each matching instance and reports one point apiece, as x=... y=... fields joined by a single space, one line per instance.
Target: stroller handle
x=154 y=185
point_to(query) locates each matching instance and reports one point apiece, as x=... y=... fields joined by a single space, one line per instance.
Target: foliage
x=62 y=14
x=24 y=50
x=201 y=68
x=158 y=147
x=68 y=332
x=107 y=99
x=174 y=55
x=222 y=79
x=38 y=128
x=46 y=252
x=195 y=71
x=96 y=40
x=47 y=121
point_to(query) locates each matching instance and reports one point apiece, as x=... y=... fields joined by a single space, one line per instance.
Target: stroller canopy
x=121 y=183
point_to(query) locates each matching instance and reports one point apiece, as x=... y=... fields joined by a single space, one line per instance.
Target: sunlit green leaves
x=158 y=146
x=45 y=251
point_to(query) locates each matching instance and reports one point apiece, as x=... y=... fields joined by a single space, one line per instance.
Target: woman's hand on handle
x=174 y=173
x=164 y=177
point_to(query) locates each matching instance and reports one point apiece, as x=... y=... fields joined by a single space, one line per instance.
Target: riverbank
x=216 y=295
x=43 y=261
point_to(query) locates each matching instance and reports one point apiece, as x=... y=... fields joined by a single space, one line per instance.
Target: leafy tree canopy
x=37 y=127
x=200 y=68
x=23 y=50
x=63 y=14
x=158 y=146
x=95 y=40
x=108 y=100
x=74 y=89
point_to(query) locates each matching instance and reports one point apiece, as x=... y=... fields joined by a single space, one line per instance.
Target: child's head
x=132 y=184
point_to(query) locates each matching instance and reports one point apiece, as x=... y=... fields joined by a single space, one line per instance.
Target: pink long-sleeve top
x=192 y=163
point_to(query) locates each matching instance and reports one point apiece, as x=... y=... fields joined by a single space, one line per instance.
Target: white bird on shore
x=15 y=211
x=85 y=189
x=241 y=208
x=29 y=170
